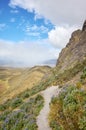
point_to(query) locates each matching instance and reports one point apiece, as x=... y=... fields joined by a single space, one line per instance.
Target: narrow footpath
x=42 y=119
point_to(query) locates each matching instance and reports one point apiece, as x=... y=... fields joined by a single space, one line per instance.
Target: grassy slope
x=68 y=110
x=69 y=75
x=20 y=115
x=20 y=111
x=15 y=81
x=23 y=97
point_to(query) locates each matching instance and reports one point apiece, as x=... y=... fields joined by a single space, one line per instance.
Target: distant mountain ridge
x=51 y=62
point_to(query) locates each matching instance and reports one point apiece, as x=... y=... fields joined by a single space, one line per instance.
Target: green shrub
x=16 y=102
x=69 y=109
x=54 y=125
x=5 y=105
x=25 y=117
x=2 y=107
x=83 y=76
x=26 y=95
x=62 y=77
x=82 y=123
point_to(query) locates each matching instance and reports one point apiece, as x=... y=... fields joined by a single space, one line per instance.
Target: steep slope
x=72 y=59
x=75 y=50
x=14 y=80
x=68 y=109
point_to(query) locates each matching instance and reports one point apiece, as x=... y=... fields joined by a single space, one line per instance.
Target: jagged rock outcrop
x=75 y=50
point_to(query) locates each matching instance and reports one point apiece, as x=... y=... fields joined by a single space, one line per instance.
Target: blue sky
x=33 y=32
x=17 y=24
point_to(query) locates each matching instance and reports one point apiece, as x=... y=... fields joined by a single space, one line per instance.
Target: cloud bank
x=59 y=36
x=67 y=16
x=58 y=12
x=26 y=53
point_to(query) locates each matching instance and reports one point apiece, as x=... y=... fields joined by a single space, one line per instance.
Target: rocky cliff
x=75 y=50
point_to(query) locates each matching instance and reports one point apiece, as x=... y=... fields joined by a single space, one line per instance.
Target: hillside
x=16 y=80
x=21 y=91
x=74 y=52
x=72 y=59
x=68 y=109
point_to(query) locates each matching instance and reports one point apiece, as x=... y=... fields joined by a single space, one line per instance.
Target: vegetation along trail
x=42 y=119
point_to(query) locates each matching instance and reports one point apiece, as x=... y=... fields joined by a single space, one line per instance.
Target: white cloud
x=59 y=36
x=33 y=34
x=34 y=30
x=22 y=23
x=37 y=16
x=26 y=53
x=43 y=29
x=65 y=15
x=14 y=11
x=2 y=26
x=58 y=12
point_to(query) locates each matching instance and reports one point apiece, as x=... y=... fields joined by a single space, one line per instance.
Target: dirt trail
x=42 y=119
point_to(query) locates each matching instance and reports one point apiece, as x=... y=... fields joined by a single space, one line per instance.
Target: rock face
x=75 y=50
x=84 y=26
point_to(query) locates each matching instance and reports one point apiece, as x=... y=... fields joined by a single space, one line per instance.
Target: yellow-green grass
x=14 y=81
